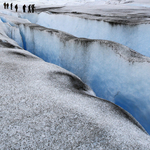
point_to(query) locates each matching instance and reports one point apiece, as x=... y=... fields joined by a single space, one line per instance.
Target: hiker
x=16 y=7
x=11 y=5
x=4 y=5
x=24 y=8
x=29 y=9
x=33 y=7
x=7 y=5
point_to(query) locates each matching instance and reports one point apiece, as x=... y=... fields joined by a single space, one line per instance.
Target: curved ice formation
x=113 y=71
x=134 y=36
x=43 y=106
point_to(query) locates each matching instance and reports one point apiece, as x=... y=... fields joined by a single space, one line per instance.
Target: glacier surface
x=115 y=72
x=43 y=106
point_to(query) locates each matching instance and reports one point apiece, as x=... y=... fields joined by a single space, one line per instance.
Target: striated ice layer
x=135 y=37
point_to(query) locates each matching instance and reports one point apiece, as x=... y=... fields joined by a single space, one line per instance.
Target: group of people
x=30 y=7
x=6 y=6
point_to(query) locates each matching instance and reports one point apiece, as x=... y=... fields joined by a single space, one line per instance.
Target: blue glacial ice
x=135 y=37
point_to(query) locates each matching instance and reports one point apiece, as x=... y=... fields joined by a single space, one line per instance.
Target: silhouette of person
x=11 y=5
x=16 y=7
x=7 y=5
x=29 y=9
x=4 y=5
x=24 y=8
x=33 y=7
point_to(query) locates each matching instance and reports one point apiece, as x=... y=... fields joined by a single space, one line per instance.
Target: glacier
x=43 y=106
x=114 y=72
x=40 y=100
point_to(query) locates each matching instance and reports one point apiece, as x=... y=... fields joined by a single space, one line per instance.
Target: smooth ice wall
x=113 y=71
x=135 y=37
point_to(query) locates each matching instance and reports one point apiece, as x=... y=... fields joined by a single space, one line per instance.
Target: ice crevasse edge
x=113 y=71
x=133 y=36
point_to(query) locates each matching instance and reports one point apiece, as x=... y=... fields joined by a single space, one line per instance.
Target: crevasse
x=113 y=71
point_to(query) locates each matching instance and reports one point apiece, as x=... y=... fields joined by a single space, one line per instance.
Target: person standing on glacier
x=16 y=7
x=11 y=5
x=24 y=8
x=4 y=5
x=33 y=7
